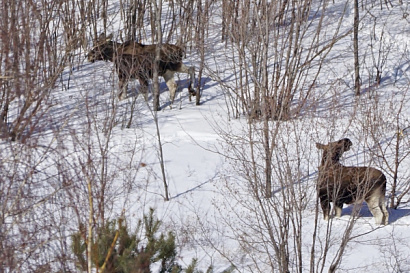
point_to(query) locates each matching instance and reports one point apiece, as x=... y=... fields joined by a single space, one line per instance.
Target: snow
x=212 y=209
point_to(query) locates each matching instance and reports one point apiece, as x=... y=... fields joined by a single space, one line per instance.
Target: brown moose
x=346 y=185
x=134 y=60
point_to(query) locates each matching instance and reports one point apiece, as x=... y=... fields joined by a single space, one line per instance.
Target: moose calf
x=346 y=185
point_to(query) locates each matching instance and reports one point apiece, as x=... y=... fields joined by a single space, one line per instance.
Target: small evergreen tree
x=117 y=250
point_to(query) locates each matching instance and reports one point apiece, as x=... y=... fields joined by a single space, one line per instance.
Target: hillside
x=240 y=169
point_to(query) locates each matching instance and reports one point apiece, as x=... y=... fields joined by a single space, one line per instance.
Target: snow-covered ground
x=212 y=208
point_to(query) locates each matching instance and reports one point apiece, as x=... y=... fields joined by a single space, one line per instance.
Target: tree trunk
x=158 y=31
x=356 y=48
x=157 y=15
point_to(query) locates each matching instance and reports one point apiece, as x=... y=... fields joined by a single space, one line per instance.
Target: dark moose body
x=347 y=185
x=134 y=60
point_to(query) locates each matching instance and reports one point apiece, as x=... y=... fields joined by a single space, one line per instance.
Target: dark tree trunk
x=356 y=48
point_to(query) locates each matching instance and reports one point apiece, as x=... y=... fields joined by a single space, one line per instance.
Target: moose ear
x=109 y=38
x=101 y=37
x=320 y=146
x=347 y=144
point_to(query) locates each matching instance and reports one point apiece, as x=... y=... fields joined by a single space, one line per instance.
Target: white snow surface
x=210 y=200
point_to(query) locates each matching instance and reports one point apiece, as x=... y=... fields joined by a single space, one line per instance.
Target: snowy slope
x=212 y=209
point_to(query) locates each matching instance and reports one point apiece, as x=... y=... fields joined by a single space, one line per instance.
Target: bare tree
x=60 y=181
x=32 y=59
x=277 y=56
x=276 y=51
x=157 y=8
x=357 y=81
x=390 y=143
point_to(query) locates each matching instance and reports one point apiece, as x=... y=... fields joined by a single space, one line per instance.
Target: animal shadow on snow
x=394 y=214
x=181 y=94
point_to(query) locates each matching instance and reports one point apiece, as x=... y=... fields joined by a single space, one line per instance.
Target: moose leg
x=172 y=85
x=325 y=204
x=377 y=206
x=373 y=202
x=123 y=84
x=382 y=205
x=144 y=87
x=338 y=208
x=191 y=71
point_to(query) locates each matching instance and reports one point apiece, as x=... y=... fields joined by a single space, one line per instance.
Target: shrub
x=117 y=250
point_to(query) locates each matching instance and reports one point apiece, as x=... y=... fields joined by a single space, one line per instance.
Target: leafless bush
x=282 y=233
x=276 y=57
x=386 y=125
x=43 y=194
x=32 y=58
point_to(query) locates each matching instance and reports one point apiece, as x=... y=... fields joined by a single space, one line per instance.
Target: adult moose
x=134 y=60
x=346 y=185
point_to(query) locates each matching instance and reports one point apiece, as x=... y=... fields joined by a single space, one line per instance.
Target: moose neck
x=329 y=159
x=108 y=49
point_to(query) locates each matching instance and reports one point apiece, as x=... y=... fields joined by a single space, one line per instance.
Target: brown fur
x=134 y=60
x=346 y=185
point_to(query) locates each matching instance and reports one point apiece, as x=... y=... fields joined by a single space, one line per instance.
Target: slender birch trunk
x=356 y=48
